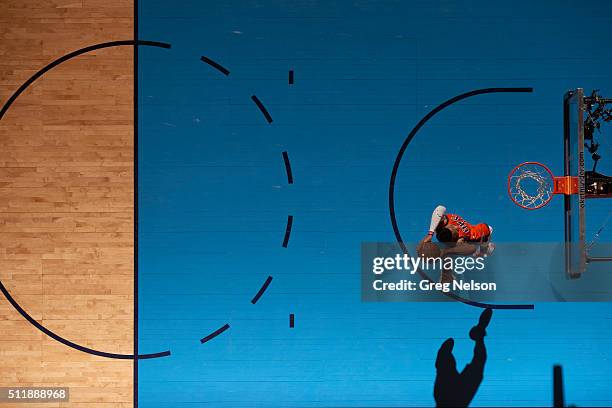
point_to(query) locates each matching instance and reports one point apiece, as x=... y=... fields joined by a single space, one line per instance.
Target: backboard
x=574 y=207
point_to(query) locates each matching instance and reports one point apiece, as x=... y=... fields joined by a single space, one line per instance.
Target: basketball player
x=468 y=239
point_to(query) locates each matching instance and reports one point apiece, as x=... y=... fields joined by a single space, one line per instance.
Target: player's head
x=447 y=234
x=442 y=223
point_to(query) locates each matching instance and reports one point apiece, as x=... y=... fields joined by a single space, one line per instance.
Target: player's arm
x=482 y=232
x=436 y=217
x=485 y=246
x=485 y=249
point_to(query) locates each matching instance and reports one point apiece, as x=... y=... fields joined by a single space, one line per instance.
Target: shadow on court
x=457 y=389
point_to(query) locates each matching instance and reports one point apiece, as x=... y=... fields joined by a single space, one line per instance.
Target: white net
x=531 y=185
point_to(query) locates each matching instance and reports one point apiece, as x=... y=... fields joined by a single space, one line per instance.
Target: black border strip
x=262 y=108
x=215 y=65
x=291 y=79
x=135 y=373
x=288 y=168
x=288 y=231
x=215 y=333
x=261 y=290
x=398 y=160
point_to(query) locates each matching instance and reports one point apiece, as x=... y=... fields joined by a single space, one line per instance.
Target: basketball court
x=185 y=189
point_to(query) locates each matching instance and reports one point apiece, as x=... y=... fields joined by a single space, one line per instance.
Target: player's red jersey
x=467 y=231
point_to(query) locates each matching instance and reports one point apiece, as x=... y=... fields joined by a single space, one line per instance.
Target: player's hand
x=427 y=238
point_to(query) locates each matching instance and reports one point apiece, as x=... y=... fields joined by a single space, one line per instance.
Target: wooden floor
x=66 y=198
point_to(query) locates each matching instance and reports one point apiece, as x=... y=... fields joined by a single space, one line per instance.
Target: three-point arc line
x=215 y=333
x=215 y=65
x=262 y=108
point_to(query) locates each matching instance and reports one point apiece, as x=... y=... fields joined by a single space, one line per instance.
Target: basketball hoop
x=531 y=185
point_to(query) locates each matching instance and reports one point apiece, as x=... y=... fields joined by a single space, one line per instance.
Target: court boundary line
x=135 y=373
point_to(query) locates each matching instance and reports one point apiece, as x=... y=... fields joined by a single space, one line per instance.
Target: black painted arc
x=261 y=290
x=71 y=55
x=68 y=343
x=215 y=65
x=288 y=231
x=262 y=108
x=5 y=108
x=288 y=168
x=215 y=333
x=396 y=164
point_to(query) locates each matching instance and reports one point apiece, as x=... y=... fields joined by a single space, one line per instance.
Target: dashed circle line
x=215 y=333
x=289 y=173
x=262 y=108
x=288 y=168
x=262 y=290
x=215 y=65
x=288 y=231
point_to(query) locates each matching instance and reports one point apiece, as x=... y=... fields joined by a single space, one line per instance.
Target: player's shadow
x=457 y=389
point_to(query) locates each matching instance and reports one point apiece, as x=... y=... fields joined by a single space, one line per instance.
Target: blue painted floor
x=214 y=196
